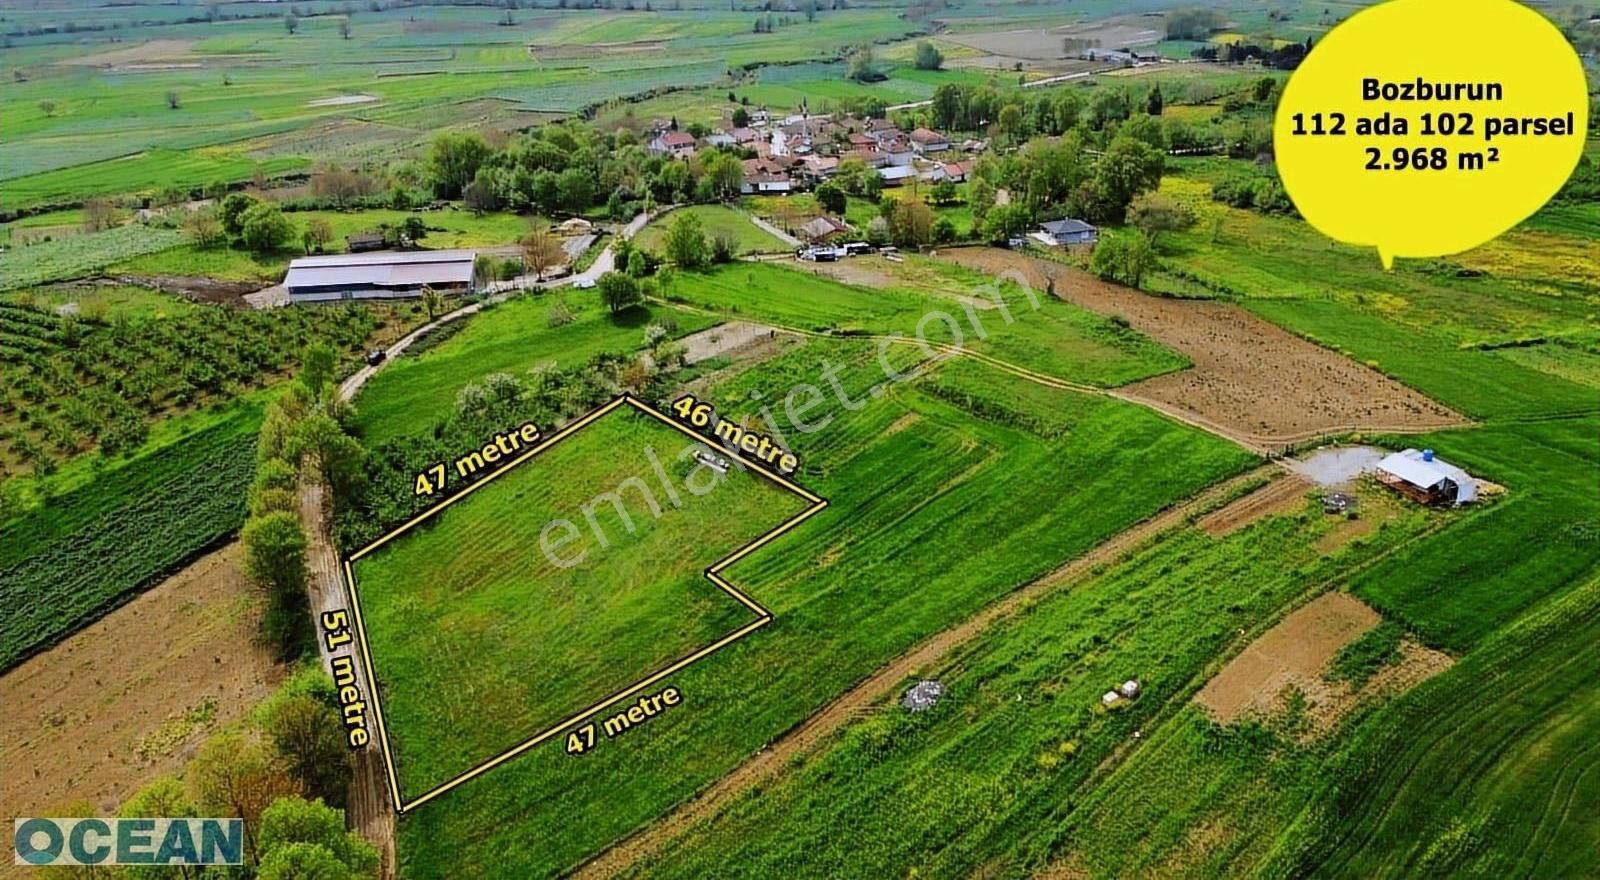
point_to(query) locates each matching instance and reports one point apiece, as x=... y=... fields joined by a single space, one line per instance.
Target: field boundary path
x=802 y=738
x=368 y=810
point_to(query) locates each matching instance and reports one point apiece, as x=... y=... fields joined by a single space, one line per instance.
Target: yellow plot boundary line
x=763 y=616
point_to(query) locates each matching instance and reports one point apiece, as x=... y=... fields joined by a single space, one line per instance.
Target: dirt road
x=879 y=685
x=370 y=810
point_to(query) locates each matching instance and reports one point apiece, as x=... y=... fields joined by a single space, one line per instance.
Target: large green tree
x=263 y=228
x=619 y=291
x=686 y=242
x=307 y=840
x=453 y=160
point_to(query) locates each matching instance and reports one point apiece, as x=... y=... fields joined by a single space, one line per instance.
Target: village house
x=895 y=175
x=764 y=176
x=899 y=151
x=819 y=168
x=673 y=144
x=871 y=158
x=823 y=229
x=926 y=141
x=882 y=130
x=1066 y=232
x=955 y=172
x=719 y=139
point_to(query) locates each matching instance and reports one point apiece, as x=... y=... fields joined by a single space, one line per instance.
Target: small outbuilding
x=823 y=229
x=1427 y=479
x=1065 y=232
x=386 y=275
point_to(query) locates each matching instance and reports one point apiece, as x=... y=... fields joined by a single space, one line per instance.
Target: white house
x=677 y=144
x=894 y=175
x=1064 y=232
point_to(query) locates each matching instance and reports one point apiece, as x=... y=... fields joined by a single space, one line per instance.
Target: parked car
x=583 y=283
x=376 y=357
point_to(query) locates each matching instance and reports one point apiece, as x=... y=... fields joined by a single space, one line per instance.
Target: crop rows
x=64 y=376
x=78 y=255
x=75 y=557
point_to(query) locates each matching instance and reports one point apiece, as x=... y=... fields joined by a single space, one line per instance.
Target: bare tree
x=541 y=251
x=174 y=100
x=99 y=214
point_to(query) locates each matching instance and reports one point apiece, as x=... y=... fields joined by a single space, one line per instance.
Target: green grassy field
x=715 y=220
x=890 y=561
x=450 y=227
x=413 y=392
x=983 y=781
x=104 y=302
x=539 y=637
x=930 y=301
x=75 y=256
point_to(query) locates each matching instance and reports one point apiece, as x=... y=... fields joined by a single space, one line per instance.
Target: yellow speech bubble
x=1428 y=127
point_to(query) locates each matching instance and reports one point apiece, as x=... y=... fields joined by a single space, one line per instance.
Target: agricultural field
x=994 y=768
x=716 y=221
x=78 y=382
x=1057 y=339
x=605 y=612
x=890 y=456
x=71 y=558
x=515 y=337
x=75 y=256
x=1080 y=603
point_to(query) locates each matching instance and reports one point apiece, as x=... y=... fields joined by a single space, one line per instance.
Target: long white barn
x=386 y=275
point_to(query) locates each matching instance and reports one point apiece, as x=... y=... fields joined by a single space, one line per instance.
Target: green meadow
x=518 y=335
x=715 y=221
x=890 y=561
x=536 y=632
x=939 y=304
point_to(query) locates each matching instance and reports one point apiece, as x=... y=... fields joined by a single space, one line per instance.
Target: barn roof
x=1408 y=465
x=1067 y=226
x=388 y=269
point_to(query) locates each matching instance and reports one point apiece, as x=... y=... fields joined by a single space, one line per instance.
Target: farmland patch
x=178 y=662
x=1249 y=376
x=626 y=515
